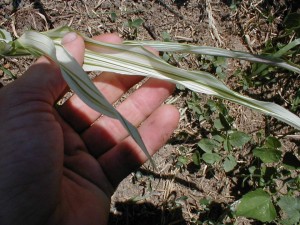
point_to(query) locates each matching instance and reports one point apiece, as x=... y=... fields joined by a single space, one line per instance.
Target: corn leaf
x=5 y=39
x=272 y=60
x=132 y=58
x=280 y=53
x=38 y=44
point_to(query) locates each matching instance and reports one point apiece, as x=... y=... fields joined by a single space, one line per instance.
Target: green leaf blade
x=211 y=158
x=290 y=161
x=238 y=138
x=229 y=163
x=257 y=205
x=267 y=155
x=208 y=145
x=196 y=158
x=272 y=142
x=291 y=206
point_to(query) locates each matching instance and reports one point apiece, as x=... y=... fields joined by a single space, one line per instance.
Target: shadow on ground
x=132 y=213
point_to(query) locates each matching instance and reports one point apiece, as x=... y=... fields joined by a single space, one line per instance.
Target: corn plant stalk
x=132 y=58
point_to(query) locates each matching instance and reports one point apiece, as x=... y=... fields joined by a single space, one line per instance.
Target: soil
x=172 y=194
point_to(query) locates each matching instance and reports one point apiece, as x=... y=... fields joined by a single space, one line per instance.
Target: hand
x=61 y=165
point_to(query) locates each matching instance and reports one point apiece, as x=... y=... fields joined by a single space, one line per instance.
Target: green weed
x=270 y=169
x=223 y=140
x=133 y=25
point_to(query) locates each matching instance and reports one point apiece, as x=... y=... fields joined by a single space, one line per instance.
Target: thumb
x=43 y=80
x=75 y=46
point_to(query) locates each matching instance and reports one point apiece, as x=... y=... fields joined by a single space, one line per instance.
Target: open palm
x=60 y=165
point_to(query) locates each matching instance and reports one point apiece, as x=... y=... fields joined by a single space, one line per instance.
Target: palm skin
x=61 y=165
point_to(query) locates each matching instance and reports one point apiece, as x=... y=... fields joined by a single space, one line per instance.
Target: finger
x=80 y=116
x=43 y=80
x=75 y=46
x=125 y=157
x=112 y=86
x=136 y=108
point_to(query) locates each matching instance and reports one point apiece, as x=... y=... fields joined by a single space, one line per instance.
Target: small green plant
x=224 y=138
x=133 y=25
x=279 y=48
x=182 y=159
x=290 y=206
x=8 y=73
x=295 y=102
x=172 y=58
x=274 y=50
x=269 y=174
x=269 y=171
x=166 y=36
x=270 y=151
x=216 y=65
x=292 y=23
x=113 y=17
x=244 y=79
x=257 y=205
x=234 y=4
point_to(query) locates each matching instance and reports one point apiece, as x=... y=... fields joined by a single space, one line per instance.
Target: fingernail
x=69 y=37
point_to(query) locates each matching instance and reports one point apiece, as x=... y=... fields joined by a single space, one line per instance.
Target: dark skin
x=61 y=165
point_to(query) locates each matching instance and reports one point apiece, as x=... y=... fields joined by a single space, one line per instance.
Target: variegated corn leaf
x=131 y=58
x=128 y=59
x=39 y=44
x=5 y=39
x=272 y=60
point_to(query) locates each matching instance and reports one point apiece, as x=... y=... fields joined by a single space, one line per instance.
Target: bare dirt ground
x=171 y=195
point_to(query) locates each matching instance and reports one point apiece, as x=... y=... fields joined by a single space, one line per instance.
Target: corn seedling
x=132 y=58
